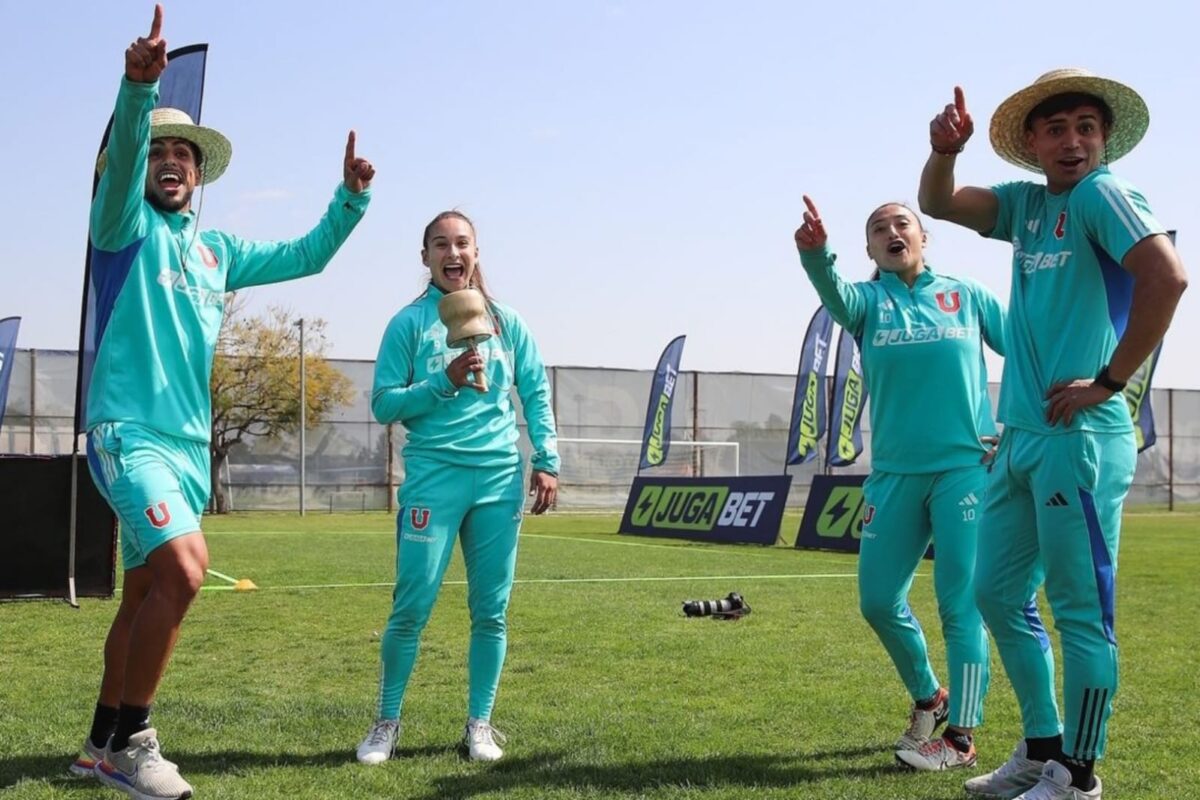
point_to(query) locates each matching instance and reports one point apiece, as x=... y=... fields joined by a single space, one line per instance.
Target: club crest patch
x=207 y=256
x=159 y=515
x=418 y=518
x=948 y=301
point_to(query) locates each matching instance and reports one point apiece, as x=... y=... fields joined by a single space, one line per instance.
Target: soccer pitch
x=608 y=691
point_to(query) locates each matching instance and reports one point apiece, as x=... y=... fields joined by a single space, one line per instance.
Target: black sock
x=931 y=703
x=1081 y=772
x=1044 y=748
x=104 y=722
x=130 y=720
x=959 y=740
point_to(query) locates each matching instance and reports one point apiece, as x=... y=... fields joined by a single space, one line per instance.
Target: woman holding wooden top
x=463 y=475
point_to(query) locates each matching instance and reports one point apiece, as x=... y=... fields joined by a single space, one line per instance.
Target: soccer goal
x=597 y=473
x=347 y=501
x=606 y=461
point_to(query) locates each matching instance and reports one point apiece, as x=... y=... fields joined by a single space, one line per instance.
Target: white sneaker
x=937 y=754
x=85 y=763
x=1020 y=773
x=380 y=742
x=141 y=772
x=922 y=722
x=1055 y=784
x=483 y=741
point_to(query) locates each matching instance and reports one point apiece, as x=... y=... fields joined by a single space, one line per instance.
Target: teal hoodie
x=1070 y=297
x=463 y=426
x=159 y=288
x=922 y=357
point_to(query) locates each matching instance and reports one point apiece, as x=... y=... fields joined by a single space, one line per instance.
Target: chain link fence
x=353 y=463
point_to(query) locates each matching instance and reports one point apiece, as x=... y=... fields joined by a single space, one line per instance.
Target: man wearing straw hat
x=1095 y=283
x=160 y=284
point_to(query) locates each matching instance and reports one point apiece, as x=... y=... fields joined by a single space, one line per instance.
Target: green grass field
x=608 y=691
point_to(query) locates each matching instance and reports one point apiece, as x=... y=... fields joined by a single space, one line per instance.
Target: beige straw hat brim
x=1131 y=117
x=171 y=123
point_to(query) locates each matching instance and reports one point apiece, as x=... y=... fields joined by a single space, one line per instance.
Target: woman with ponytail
x=463 y=477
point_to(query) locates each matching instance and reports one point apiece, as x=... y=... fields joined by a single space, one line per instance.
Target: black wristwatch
x=1108 y=381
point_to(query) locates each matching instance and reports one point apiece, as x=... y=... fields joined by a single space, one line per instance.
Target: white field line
x=680 y=548
x=551 y=581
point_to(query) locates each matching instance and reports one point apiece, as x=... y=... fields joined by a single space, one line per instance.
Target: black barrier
x=834 y=514
x=747 y=510
x=35 y=528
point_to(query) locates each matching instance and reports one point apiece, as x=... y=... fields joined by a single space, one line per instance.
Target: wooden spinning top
x=468 y=323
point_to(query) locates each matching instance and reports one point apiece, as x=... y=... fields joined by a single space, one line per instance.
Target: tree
x=255 y=382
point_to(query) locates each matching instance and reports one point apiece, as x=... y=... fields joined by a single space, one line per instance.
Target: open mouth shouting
x=1071 y=163
x=170 y=180
x=896 y=247
x=454 y=273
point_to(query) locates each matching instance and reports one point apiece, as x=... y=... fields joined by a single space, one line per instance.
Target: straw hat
x=171 y=123
x=1131 y=118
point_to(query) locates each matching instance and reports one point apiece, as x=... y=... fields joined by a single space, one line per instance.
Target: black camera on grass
x=731 y=607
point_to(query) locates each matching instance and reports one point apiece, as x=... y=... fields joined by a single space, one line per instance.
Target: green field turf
x=608 y=691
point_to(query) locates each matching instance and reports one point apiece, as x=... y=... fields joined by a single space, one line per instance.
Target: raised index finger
x=960 y=102
x=156 y=26
x=350 y=147
x=812 y=209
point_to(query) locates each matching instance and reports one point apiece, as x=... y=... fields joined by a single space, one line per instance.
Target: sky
x=634 y=169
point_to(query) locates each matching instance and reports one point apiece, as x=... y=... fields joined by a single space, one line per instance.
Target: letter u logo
x=419 y=517
x=948 y=305
x=207 y=256
x=159 y=515
x=870 y=515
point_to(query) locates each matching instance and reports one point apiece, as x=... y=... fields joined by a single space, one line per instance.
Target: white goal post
x=606 y=460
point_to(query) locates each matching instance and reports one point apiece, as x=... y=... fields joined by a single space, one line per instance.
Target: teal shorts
x=158 y=485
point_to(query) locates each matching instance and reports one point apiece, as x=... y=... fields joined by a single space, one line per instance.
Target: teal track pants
x=480 y=506
x=1054 y=508
x=904 y=512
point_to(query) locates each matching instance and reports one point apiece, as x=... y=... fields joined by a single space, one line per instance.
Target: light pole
x=303 y=408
